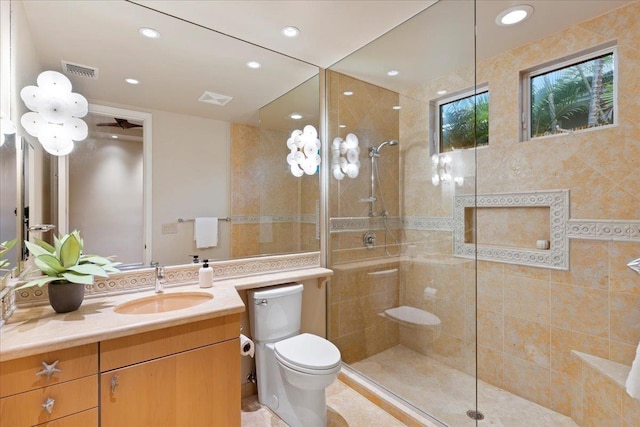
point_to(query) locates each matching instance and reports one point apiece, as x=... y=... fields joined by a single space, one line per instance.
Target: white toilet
x=293 y=369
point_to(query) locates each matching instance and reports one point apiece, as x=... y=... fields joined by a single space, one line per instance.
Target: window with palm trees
x=573 y=97
x=464 y=122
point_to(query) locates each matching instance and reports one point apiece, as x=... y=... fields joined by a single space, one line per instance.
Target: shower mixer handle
x=368 y=199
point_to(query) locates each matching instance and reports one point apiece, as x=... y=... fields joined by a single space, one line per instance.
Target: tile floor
x=448 y=393
x=346 y=408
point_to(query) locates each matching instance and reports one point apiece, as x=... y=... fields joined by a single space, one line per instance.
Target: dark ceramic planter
x=65 y=297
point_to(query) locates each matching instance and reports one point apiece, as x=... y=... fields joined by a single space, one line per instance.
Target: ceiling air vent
x=79 y=70
x=214 y=98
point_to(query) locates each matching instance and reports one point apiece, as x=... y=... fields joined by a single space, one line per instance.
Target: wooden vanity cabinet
x=185 y=375
x=67 y=397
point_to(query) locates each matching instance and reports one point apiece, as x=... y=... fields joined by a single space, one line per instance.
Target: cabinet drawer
x=129 y=350
x=82 y=419
x=26 y=409
x=19 y=375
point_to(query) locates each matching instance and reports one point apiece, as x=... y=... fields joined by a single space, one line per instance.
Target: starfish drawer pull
x=49 y=370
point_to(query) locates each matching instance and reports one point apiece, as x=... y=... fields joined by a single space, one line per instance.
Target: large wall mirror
x=201 y=134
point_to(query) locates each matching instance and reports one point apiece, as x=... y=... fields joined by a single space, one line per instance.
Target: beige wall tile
x=580 y=309
x=490 y=365
x=602 y=388
x=589 y=261
x=527 y=340
x=630 y=410
x=491 y=330
x=527 y=379
x=625 y=317
x=527 y=299
x=595 y=414
x=563 y=341
x=621 y=352
x=623 y=279
x=561 y=393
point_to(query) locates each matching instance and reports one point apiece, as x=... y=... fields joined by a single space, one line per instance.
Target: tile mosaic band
x=143 y=279
x=274 y=219
x=603 y=229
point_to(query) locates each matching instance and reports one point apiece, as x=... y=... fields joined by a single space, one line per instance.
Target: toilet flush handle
x=261 y=302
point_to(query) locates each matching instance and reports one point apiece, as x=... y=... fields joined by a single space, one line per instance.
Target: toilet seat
x=309 y=354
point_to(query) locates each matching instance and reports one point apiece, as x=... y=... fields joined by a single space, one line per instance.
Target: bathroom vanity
x=173 y=368
x=98 y=366
x=185 y=374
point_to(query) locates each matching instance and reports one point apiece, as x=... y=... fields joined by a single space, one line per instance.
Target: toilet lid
x=308 y=351
x=413 y=315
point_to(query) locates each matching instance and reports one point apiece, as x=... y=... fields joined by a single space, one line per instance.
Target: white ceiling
x=188 y=59
x=330 y=29
x=441 y=39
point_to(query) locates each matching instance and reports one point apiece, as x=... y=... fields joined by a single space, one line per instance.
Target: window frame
x=435 y=105
x=556 y=65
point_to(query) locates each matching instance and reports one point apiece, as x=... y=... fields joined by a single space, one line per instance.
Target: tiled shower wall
x=529 y=319
x=268 y=202
x=356 y=297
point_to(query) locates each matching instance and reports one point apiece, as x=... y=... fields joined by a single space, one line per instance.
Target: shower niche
x=530 y=226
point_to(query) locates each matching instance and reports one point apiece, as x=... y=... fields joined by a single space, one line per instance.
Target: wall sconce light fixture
x=55 y=113
x=304 y=145
x=345 y=158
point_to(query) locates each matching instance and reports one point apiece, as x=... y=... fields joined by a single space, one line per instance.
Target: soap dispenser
x=205 y=275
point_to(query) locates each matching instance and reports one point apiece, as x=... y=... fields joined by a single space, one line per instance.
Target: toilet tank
x=275 y=312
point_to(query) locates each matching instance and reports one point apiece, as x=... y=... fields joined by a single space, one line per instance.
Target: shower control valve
x=369 y=239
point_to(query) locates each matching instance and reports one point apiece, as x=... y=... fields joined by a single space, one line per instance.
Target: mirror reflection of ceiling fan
x=120 y=123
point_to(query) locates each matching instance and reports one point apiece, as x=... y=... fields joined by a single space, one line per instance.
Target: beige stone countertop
x=39 y=329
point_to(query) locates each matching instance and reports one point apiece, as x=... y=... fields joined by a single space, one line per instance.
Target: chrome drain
x=475 y=415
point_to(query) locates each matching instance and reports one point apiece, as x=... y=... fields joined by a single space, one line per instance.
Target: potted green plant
x=4 y=248
x=67 y=270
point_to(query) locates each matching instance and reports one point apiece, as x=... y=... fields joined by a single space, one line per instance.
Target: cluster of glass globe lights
x=55 y=113
x=304 y=156
x=345 y=155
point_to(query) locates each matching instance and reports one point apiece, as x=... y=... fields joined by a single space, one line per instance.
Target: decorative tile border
x=274 y=219
x=362 y=223
x=7 y=304
x=419 y=223
x=425 y=223
x=557 y=257
x=597 y=229
x=143 y=279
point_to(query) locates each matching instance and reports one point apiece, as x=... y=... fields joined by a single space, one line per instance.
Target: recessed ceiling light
x=114 y=136
x=254 y=64
x=132 y=81
x=393 y=73
x=342 y=126
x=347 y=93
x=149 y=32
x=295 y=116
x=290 y=32
x=396 y=107
x=441 y=92
x=513 y=15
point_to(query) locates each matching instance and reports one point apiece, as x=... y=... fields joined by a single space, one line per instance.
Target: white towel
x=633 y=380
x=205 y=232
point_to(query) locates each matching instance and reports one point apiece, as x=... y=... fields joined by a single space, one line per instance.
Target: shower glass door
x=401 y=306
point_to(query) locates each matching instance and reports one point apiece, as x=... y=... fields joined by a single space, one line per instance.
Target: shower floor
x=448 y=393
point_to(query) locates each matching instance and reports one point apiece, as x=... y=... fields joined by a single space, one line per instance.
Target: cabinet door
x=196 y=388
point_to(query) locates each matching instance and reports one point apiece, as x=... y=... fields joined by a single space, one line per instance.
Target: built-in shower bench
x=598 y=395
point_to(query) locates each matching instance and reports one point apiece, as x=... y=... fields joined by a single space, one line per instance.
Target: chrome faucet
x=160 y=279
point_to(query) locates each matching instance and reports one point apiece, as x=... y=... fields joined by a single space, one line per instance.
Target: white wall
x=105 y=197
x=191 y=178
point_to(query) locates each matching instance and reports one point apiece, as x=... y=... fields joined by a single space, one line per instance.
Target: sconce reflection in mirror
x=304 y=145
x=55 y=113
x=6 y=128
x=345 y=160
x=441 y=170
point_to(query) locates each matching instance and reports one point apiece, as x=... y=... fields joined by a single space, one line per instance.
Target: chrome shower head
x=376 y=150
